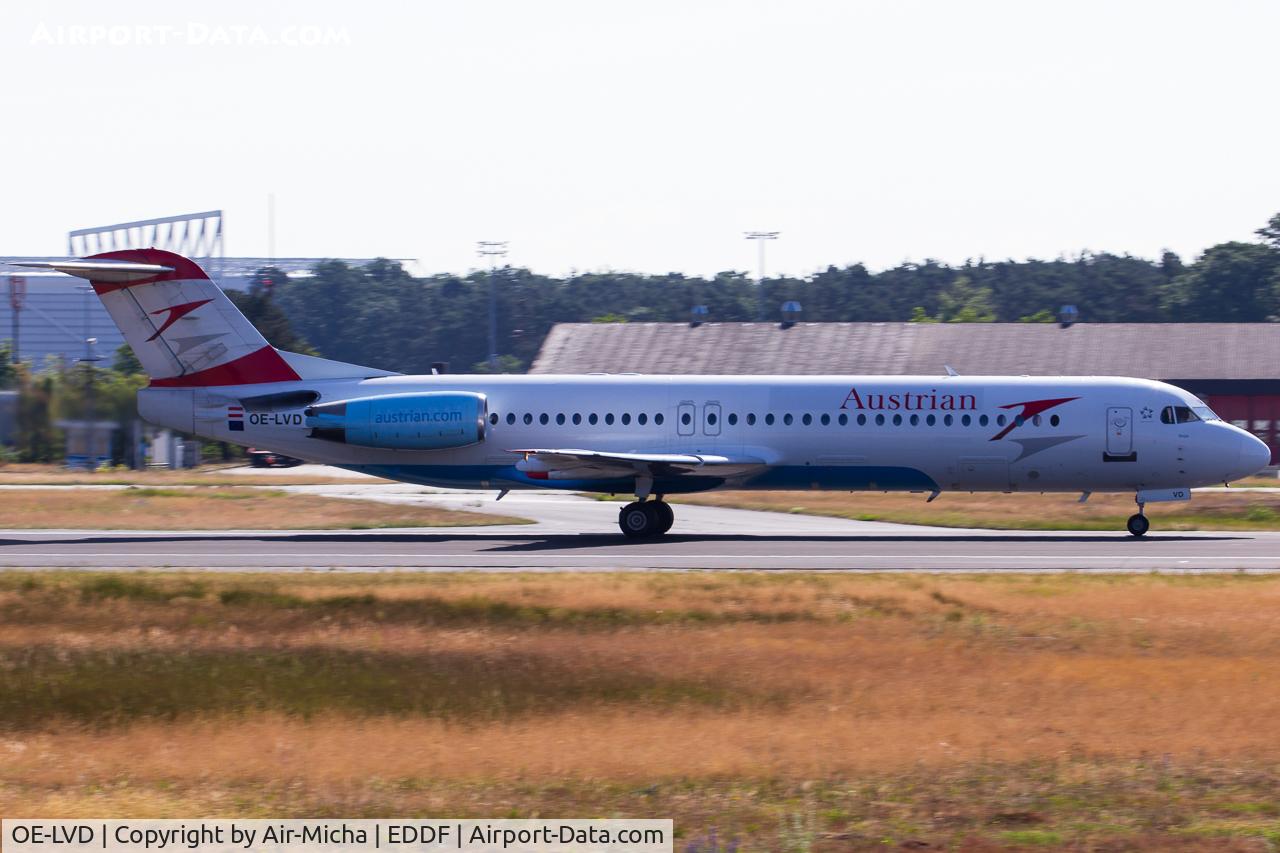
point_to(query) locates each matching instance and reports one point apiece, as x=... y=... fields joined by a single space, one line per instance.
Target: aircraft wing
x=596 y=463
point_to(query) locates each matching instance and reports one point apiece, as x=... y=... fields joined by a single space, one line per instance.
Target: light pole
x=17 y=295
x=493 y=249
x=761 y=237
x=89 y=360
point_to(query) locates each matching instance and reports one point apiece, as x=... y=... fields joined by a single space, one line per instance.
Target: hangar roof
x=1168 y=351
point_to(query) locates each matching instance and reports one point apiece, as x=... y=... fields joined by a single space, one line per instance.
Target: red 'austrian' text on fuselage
x=910 y=401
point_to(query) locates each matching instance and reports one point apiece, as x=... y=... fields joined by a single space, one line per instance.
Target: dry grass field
x=215 y=508
x=789 y=712
x=1240 y=510
x=22 y=474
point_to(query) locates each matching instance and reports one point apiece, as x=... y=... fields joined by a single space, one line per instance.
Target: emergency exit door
x=684 y=418
x=711 y=419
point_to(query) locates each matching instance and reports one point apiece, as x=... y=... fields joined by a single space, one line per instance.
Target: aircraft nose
x=1254 y=454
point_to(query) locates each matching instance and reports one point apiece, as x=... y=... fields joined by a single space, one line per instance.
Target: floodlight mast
x=761 y=237
x=196 y=235
x=493 y=249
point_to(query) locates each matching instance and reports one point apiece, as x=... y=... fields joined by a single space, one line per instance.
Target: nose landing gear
x=646 y=519
x=1138 y=524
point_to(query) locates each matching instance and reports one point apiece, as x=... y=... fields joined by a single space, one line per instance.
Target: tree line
x=379 y=315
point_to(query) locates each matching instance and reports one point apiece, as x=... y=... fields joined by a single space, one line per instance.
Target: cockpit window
x=1204 y=412
x=1178 y=415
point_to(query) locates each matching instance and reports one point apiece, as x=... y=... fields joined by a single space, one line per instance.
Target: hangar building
x=1234 y=367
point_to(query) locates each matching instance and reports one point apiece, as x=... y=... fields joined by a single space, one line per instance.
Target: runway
x=513 y=549
x=573 y=533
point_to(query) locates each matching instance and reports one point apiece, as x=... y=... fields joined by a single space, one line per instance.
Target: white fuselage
x=913 y=433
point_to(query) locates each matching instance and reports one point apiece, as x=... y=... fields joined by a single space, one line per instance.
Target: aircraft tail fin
x=184 y=330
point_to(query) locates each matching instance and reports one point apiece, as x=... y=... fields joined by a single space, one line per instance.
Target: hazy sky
x=647 y=136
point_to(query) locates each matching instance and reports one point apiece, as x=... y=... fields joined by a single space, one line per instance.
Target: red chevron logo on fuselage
x=177 y=312
x=1030 y=409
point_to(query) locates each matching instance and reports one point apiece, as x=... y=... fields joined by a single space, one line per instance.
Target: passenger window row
x=577 y=418
x=770 y=419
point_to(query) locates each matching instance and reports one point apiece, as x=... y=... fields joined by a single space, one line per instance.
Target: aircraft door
x=711 y=419
x=1119 y=431
x=685 y=414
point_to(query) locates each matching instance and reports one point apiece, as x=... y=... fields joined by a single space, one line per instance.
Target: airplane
x=213 y=374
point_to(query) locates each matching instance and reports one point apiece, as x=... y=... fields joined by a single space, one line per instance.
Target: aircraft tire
x=1138 y=524
x=638 y=520
x=666 y=516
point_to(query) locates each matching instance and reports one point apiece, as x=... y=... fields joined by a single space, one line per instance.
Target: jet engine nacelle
x=431 y=420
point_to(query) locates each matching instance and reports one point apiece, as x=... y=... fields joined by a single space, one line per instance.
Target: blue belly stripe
x=839 y=477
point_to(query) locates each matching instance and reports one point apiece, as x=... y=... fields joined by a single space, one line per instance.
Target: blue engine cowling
x=431 y=420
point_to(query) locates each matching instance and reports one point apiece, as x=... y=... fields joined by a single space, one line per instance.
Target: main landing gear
x=1138 y=524
x=645 y=519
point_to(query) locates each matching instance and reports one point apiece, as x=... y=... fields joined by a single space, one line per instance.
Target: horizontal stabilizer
x=112 y=271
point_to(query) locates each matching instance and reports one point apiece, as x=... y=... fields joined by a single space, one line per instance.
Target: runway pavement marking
x=623 y=556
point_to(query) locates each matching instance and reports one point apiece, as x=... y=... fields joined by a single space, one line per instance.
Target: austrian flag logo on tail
x=235 y=418
x=176 y=313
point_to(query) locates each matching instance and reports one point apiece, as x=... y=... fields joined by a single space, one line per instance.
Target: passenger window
x=577 y=418
x=1054 y=420
x=528 y=418
x=642 y=419
x=879 y=420
x=593 y=418
x=493 y=419
x=768 y=419
x=966 y=420
x=751 y=419
x=947 y=420
x=826 y=420
x=711 y=419
x=560 y=419
x=862 y=420
x=983 y=420
x=626 y=418
x=733 y=419
x=807 y=419
x=931 y=420
x=1036 y=420
x=1018 y=420
x=543 y=419
x=787 y=419
x=897 y=420
x=511 y=418
x=608 y=418
x=844 y=419
x=915 y=420
x=1000 y=420
x=686 y=419
x=657 y=419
